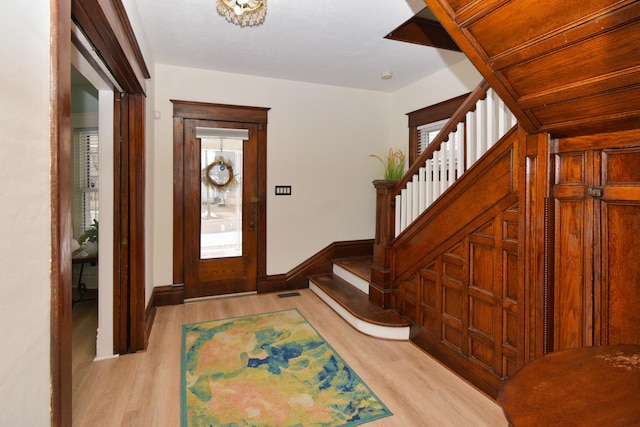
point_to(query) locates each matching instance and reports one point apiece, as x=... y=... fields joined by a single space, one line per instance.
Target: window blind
x=85 y=179
x=427 y=133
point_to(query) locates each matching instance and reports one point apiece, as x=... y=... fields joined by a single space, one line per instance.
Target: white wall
x=25 y=224
x=319 y=141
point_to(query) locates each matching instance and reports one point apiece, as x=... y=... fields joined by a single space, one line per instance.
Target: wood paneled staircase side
x=456 y=271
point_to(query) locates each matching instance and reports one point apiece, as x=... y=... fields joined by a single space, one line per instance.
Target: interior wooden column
x=380 y=287
x=129 y=226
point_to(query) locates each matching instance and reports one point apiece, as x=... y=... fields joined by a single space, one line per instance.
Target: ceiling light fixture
x=386 y=75
x=245 y=13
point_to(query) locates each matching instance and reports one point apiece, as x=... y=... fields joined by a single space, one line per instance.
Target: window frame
x=430 y=115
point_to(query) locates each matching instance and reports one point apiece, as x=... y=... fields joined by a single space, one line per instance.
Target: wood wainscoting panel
x=468 y=302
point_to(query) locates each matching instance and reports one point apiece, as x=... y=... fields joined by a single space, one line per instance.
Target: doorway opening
x=219 y=198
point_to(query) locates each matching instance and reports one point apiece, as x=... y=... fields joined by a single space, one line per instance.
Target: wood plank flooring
x=143 y=389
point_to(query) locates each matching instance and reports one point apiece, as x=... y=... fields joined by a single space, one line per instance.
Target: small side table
x=82 y=260
x=588 y=386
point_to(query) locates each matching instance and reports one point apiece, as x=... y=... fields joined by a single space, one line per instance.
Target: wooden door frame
x=109 y=31
x=184 y=110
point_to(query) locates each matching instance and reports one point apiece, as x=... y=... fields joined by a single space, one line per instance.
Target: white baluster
x=422 y=189
x=471 y=131
x=415 y=195
x=429 y=175
x=437 y=175
x=403 y=210
x=409 y=202
x=492 y=119
x=398 y=214
x=481 y=126
x=459 y=152
x=444 y=164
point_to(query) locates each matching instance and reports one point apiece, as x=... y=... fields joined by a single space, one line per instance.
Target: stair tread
x=356 y=301
x=360 y=266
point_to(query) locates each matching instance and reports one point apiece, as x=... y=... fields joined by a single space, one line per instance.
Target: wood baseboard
x=149 y=317
x=318 y=264
x=167 y=295
x=294 y=279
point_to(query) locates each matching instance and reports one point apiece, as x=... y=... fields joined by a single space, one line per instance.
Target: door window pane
x=221 y=198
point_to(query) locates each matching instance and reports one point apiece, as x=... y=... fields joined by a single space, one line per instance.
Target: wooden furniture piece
x=586 y=386
x=82 y=259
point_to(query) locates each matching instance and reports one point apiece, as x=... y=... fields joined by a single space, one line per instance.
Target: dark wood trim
x=317 y=264
x=178 y=201
x=108 y=29
x=183 y=110
x=60 y=118
x=436 y=112
x=86 y=54
x=130 y=37
x=136 y=238
x=262 y=206
x=380 y=287
x=425 y=32
x=534 y=246
x=167 y=295
x=431 y=114
x=220 y=112
x=129 y=233
x=120 y=229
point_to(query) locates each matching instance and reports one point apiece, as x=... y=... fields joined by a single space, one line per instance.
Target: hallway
x=143 y=389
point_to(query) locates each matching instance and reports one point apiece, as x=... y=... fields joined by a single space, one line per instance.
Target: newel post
x=380 y=287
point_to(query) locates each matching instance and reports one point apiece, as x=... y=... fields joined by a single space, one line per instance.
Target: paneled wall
x=459 y=277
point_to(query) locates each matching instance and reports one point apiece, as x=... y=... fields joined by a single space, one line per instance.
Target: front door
x=220 y=207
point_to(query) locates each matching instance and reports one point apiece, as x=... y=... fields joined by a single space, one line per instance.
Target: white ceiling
x=329 y=42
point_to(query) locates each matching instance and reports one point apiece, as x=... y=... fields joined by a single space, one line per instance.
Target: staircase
x=346 y=291
x=479 y=123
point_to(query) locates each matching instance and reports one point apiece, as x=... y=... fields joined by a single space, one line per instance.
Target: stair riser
x=354 y=280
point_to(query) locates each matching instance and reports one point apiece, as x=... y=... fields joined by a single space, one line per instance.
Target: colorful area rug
x=270 y=369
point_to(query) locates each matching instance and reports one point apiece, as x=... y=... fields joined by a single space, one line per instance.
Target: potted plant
x=90 y=238
x=394 y=163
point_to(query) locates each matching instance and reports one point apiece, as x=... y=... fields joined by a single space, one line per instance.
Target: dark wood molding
x=109 y=31
x=136 y=238
x=379 y=289
x=178 y=201
x=425 y=32
x=167 y=295
x=431 y=114
x=535 y=213
x=220 y=112
x=129 y=236
x=436 y=112
x=319 y=263
x=120 y=230
x=86 y=54
x=183 y=110
x=60 y=111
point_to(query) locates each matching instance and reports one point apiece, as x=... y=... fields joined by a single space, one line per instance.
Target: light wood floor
x=144 y=389
x=85 y=322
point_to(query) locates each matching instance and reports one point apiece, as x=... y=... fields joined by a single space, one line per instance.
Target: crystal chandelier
x=245 y=13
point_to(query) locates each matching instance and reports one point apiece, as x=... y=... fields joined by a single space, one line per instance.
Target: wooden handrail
x=468 y=105
x=380 y=289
